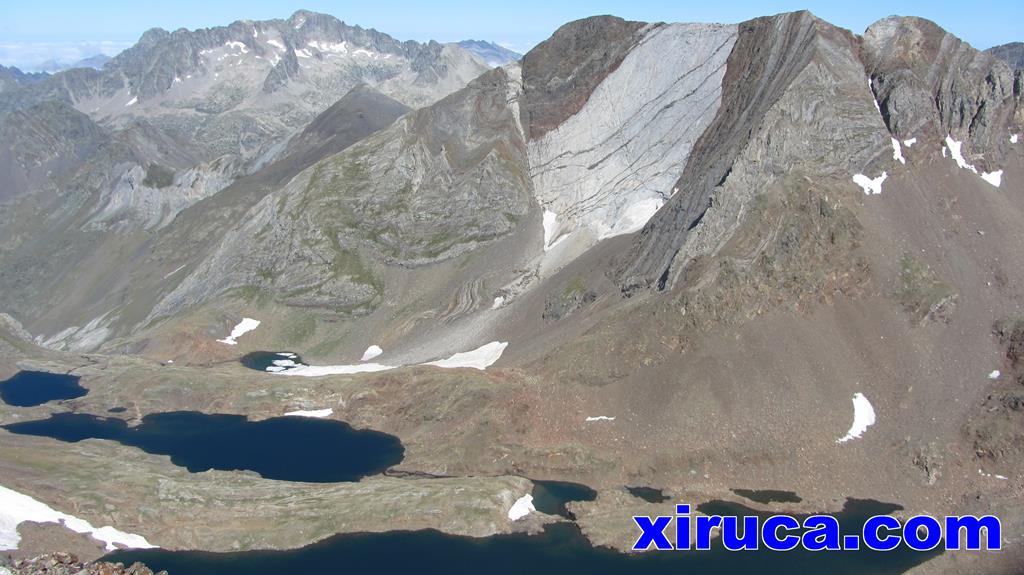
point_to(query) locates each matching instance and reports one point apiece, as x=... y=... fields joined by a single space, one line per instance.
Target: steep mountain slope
x=181 y=116
x=37 y=278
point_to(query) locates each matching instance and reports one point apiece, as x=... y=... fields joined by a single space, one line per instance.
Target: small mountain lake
x=285 y=448
x=32 y=388
x=560 y=549
x=273 y=361
x=551 y=497
x=648 y=494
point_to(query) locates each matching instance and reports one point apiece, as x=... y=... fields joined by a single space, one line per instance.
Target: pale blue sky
x=31 y=32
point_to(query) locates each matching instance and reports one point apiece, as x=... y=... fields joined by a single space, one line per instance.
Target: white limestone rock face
x=608 y=168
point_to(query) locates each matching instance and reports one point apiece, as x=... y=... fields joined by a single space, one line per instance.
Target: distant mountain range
x=490 y=52
x=96 y=62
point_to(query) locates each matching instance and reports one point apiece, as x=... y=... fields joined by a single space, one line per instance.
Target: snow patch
x=480 y=358
x=303 y=53
x=897 y=152
x=333 y=47
x=870 y=186
x=1014 y=138
x=362 y=52
x=319 y=413
x=243 y=327
x=498 y=302
x=954 y=150
x=132 y=102
x=521 y=508
x=371 y=352
x=237 y=46
x=863 y=418
x=995 y=374
x=873 y=99
x=551 y=230
x=276 y=44
x=176 y=270
x=910 y=142
x=321 y=370
x=995 y=178
x=16 y=508
x=601 y=418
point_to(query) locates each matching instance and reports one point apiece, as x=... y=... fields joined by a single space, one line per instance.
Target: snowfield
x=16 y=508
x=995 y=178
x=319 y=413
x=521 y=508
x=870 y=186
x=371 y=352
x=480 y=358
x=245 y=326
x=897 y=151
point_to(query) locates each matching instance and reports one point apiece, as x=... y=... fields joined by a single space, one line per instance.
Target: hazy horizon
x=31 y=36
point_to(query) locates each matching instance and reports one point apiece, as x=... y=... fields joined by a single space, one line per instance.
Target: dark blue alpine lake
x=286 y=448
x=31 y=388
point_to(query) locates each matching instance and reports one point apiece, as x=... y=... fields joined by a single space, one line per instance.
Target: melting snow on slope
x=870 y=186
x=16 y=508
x=480 y=358
x=245 y=326
x=320 y=370
x=994 y=375
x=863 y=418
x=909 y=143
x=521 y=508
x=237 y=46
x=601 y=418
x=897 y=152
x=319 y=413
x=276 y=44
x=995 y=178
x=551 y=230
x=371 y=352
